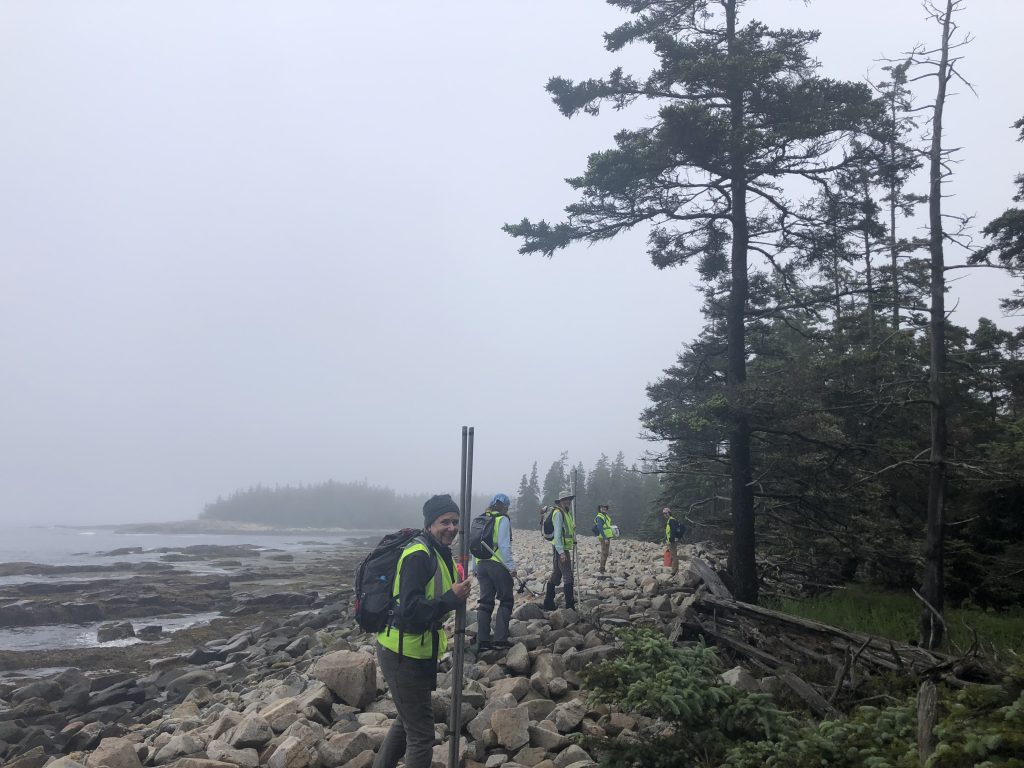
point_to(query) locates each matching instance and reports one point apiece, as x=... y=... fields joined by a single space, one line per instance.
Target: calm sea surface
x=84 y=546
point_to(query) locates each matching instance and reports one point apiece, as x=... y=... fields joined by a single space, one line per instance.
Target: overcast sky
x=259 y=242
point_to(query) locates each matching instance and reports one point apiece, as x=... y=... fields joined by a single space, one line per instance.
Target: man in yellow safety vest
x=562 y=543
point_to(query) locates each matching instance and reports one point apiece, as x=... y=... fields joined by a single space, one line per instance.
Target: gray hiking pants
x=412 y=733
x=495 y=581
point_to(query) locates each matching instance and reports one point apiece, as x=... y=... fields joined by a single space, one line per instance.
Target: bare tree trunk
x=868 y=276
x=742 y=564
x=927 y=716
x=933 y=588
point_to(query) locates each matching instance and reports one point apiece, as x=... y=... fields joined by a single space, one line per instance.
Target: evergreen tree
x=739 y=108
x=1006 y=232
x=555 y=481
x=527 y=501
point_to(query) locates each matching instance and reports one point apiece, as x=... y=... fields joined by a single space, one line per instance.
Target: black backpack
x=481 y=536
x=547 y=528
x=375 y=580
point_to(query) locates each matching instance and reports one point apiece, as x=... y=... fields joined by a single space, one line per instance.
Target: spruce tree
x=740 y=108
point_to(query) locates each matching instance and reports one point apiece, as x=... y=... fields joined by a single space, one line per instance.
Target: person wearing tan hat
x=605 y=532
x=562 y=542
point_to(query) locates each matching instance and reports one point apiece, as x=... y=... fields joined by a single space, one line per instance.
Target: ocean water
x=85 y=546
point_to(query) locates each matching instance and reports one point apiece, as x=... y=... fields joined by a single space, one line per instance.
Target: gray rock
x=181 y=745
x=548 y=666
x=222 y=752
x=116 y=631
x=65 y=762
x=545 y=739
x=252 y=731
x=572 y=755
x=528 y=611
x=150 y=632
x=339 y=749
x=563 y=617
x=114 y=753
x=281 y=714
x=183 y=683
x=48 y=690
x=316 y=695
x=738 y=677
x=518 y=659
x=538 y=709
x=567 y=715
x=351 y=675
x=510 y=726
x=482 y=722
x=291 y=753
x=517 y=686
x=595 y=655
x=530 y=756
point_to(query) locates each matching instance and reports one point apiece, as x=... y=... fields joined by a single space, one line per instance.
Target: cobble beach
x=297 y=685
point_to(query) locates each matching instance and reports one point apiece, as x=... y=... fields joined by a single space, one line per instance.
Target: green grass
x=863 y=608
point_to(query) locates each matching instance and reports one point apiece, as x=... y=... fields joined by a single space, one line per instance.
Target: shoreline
x=305 y=679
x=212 y=528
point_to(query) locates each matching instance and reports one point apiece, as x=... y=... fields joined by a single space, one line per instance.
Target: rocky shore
x=299 y=688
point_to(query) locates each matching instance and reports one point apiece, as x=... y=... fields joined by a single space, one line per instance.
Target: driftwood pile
x=776 y=644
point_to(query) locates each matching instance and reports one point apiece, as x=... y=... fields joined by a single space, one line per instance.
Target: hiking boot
x=502 y=645
x=570 y=597
x=549 y=598
x=483 y=646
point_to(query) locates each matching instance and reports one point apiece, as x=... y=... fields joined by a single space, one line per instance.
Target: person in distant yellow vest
x=494 y=574
x=562 y=543
x=674 y=531
x=427 y=591
x=605 y=533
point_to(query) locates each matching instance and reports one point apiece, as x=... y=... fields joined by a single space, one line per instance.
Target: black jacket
x=418 y=614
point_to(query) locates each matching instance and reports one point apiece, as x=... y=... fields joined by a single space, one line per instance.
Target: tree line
x=330 y=504
x=632 y=493
x=829 y=411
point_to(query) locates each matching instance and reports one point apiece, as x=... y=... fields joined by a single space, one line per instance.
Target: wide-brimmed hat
x=565 y=495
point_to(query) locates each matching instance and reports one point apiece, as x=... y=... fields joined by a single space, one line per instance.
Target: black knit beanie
x=437 y=506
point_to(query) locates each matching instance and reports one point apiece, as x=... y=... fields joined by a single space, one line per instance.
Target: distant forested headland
x=325 y=505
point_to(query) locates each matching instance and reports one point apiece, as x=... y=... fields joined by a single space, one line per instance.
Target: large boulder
x=114 y=753
x=511 y=727
x=252 y=731
x=351 y=676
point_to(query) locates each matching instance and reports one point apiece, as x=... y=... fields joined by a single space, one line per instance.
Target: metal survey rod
x=575 y=538
x=458 y=652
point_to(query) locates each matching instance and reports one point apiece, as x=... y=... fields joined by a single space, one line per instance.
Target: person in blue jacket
x=495 y=574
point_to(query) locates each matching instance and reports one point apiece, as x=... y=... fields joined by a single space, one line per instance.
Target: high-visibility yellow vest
x=419 y=646
x=496 y=557
x=568 y=530
x=605 y=521
x=668 y=531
